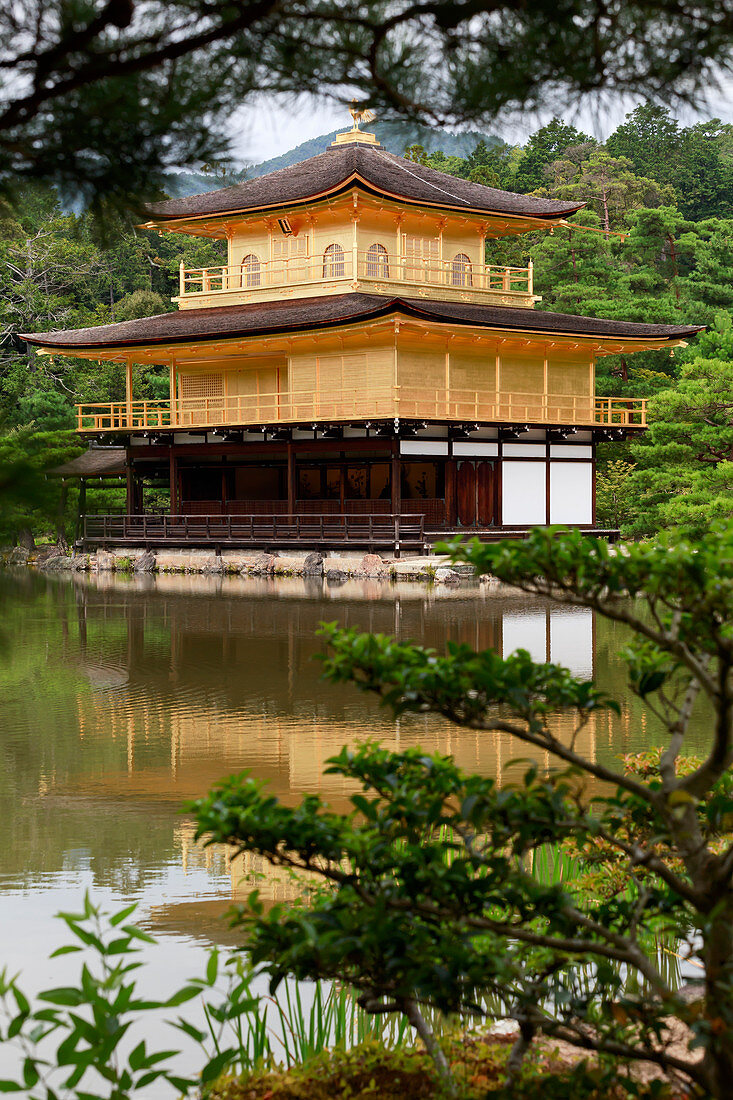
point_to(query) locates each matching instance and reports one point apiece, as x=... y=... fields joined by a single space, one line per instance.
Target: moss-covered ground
x=370 y=1071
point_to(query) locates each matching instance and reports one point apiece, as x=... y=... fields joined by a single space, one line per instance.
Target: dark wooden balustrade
x=403 y=531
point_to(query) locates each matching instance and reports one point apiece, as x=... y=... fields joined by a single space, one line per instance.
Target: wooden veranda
x=299 y=531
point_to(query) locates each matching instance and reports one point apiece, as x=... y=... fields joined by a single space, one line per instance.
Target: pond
x=124 y=697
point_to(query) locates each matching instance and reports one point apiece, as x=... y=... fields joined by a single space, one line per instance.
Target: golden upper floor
x=357 y=357
x=357 y=218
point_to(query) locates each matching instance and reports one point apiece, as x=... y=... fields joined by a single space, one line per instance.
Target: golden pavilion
x=356 y=373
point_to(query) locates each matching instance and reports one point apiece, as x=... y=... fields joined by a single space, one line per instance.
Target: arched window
x=333 y=262
x=377 y=263
x=251 y=270
x=461 y=270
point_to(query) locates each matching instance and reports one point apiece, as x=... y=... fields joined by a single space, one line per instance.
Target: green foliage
x=141 y=303
x=91 y=1024
x=103 y=100
x=94 y=1026
x=612 y=493
x=32 y=502
x=544 y=147
x=432 y=903
x=416 y=153
x=370 y=1071
x=693 y=160
x=684 y=474
x=608 y=185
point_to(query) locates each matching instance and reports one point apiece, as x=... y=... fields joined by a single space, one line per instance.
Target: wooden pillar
x=173 y=476
x=545 y=385
x=291 y=479
x=450 y=492
x=130 y=488
x=128 y=391
x=81 y=508
x=355 y=241
x=396 y=478
x=61 y=521
x=172 y=391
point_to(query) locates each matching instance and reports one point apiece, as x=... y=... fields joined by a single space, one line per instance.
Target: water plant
x=87 y=1041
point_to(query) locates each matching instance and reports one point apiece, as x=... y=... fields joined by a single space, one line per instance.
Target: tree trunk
x=61 y=540
x=675 y=269
x=418 y=1021
x=572 y=255
x=26 y=539
x=718 y=958
x=606 y=218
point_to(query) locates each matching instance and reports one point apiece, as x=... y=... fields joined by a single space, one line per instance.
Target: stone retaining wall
x=335 y=567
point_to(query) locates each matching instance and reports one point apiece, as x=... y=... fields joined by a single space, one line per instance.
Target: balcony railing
x=256 y=276
x=399 y=401
x=390 y=530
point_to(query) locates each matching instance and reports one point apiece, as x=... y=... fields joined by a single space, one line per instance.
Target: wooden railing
x=244 y=410
x=343 y=529
x=374 y=268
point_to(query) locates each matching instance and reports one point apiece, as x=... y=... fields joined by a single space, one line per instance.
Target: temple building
x=356 y=373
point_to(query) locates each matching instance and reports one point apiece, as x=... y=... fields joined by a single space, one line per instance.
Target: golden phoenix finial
x=360 y=115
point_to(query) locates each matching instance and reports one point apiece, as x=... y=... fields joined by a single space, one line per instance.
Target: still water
x=121 y=698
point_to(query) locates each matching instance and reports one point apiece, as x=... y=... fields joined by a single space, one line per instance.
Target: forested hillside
x=659 y=248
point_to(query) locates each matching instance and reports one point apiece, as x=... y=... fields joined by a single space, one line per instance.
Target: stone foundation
x=335 y=566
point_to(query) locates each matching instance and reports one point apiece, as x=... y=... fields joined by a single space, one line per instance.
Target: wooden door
x=475 y=493
x=466 y=494
x=484 y=494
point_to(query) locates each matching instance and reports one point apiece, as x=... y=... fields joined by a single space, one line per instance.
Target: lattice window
x=285 y=247
x=427 y=248
x=422 y=258
x=202 y=385
x=251 y=270
x=333 y=262
x=461 y=270
x=377 y=262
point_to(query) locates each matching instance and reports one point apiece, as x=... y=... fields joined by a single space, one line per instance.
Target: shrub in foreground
x=431 y=904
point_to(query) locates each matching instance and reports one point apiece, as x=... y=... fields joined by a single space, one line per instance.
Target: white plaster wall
x=570 y=450
x=571 y=492
x=523 y=493
x=525 y=450
x=423 y=447
x=475 y=449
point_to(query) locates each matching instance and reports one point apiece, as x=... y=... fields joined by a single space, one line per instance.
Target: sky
x=270 y=125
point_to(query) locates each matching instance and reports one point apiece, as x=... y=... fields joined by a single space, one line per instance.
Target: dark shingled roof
x=336 y=169
x=95 y=462
x=264 y=318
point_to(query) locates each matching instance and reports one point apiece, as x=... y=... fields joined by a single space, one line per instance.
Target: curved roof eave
x=369 y=188
x=332 y=311
x=372 y=167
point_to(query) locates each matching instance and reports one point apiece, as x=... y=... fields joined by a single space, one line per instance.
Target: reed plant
x=81 y=1040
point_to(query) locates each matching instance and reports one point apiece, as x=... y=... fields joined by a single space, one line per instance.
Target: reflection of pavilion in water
x=219 y=685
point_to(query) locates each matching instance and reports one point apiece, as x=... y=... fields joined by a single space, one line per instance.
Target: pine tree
x=544 y=147
x=684 y=475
